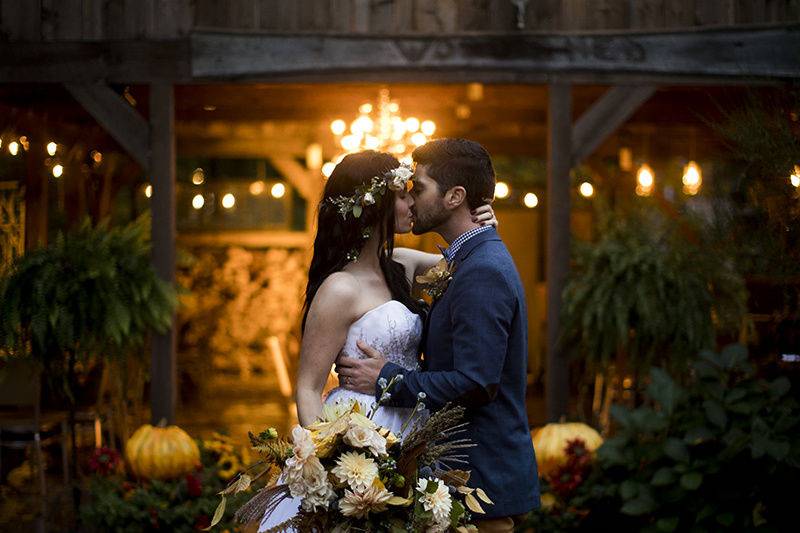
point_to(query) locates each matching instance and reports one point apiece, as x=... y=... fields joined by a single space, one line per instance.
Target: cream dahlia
x=438 y=502
x=355 y=469
x=359 y=504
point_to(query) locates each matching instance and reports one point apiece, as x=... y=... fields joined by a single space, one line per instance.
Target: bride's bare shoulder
x=341 y=288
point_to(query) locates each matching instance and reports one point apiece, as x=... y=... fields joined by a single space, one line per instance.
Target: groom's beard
x=429 y=221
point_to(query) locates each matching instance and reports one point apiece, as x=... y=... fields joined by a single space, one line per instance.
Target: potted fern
x=91 y=295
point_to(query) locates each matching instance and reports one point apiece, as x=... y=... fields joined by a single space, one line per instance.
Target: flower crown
x=395 y=180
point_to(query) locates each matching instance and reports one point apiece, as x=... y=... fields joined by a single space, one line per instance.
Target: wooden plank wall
x=91 y=20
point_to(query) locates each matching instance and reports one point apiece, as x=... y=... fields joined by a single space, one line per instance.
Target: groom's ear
x=455 y=197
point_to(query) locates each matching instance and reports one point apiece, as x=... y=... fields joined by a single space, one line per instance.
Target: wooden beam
x=163 y=371
x=307 y=182
x=559 y=124
x=119 y=119
x=767 y=53
x=605 y=116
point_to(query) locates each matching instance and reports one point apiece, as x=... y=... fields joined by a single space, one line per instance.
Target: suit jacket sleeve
x=482 y=310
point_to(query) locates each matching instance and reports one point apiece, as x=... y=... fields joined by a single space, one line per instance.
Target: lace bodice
x=392 y=329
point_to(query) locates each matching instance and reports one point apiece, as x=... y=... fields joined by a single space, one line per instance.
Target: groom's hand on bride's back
x=360 y=375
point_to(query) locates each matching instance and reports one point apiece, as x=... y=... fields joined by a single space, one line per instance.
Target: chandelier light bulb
x=419 y=139
x=198 y=176
x=365 y=108
x=645 y=180
x=58 y=171
x=586 y=189
x=338 y=126
x=692 y=178
x=198 y=201
x=412 y=124
x=350 y=143
x=51 y=148
x=428 y=127
x=530 y=200
x=13 y=148
x=502 y=190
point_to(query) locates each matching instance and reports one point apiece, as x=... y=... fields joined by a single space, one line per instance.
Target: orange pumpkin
x=158 y=452
x=550 y=443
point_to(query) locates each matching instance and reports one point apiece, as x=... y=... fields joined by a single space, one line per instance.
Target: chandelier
x=381 y=128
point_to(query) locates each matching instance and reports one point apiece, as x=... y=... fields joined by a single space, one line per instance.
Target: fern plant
x=649 y=290
x=91 y=294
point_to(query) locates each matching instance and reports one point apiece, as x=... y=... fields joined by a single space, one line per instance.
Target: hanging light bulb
x=794 y=179
x=198 y=176
x=228 y=201
x=530 y=200
x=257 y=187
x=350 y=143
x=365 y=108
x=314 y=156
x=97 y=157
x=645 y=180
x=502 y=190
x=13 y=148
x=586 y=189
x=58 y=171
x=148 y=190
x=51 y=148
x=692 y=178
x=625 y=159
x=338 y=126
x=428 y=127
x=278 y=190
x=198 y=201
x=412 y=124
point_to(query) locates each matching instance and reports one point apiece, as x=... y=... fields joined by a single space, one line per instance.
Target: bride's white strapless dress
x=395 y=331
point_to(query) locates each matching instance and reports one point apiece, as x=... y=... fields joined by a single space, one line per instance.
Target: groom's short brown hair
x=454 y=162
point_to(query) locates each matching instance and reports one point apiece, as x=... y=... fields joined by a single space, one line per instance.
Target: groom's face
x=428 y=209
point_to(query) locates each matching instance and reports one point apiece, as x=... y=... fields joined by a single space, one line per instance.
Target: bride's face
x=403 y=218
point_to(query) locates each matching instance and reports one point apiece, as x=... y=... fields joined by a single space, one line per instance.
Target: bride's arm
x=329 y=318
x=416 y=262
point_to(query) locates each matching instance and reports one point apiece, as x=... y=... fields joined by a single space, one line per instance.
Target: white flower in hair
x=398 y=177
x=369 y=199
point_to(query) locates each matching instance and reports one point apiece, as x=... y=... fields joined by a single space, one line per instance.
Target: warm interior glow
x=314 y=156
x=257 y=187
x=428 y=127
x=338 y=126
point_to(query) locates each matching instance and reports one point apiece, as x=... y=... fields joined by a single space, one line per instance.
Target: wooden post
x=163 y=373
x=36 y=195
x=559 y=157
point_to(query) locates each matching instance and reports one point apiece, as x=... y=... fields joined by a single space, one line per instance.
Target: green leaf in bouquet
x=691 y=480
x=663 y=477
x=432 y=487
x=456 y=512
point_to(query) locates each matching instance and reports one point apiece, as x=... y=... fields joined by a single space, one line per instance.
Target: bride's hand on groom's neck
x=360 y=375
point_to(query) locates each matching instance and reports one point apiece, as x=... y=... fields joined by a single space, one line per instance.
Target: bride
x=359 y=287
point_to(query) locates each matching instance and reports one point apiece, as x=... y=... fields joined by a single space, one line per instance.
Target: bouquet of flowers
x=352 y=475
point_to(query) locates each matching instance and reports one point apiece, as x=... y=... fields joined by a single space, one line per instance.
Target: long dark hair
x=337 y=236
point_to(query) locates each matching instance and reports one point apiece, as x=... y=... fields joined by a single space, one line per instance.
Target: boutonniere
x=436 y=279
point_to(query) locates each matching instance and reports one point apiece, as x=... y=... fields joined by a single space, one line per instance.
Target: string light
x=586 y=189
x=198 y=201
x=58 y=170
x=338 y=126
x=13 y=148
x=530 y=200
x=692 y=178
x=148 y=190
x=228 y=201
x=645 y=180
x=97 y=157
x=51 y=148
x=257 y=187
x=502 y=190
x=198 y=176
x=278 y=190
x=794 y=179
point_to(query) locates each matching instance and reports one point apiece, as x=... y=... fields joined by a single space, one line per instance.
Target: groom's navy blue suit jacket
x=476 y=355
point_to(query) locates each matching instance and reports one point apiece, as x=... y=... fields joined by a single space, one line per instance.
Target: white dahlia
x=355 y=469
x=361 y=437
x=360 y=504
x=303 y=443
x=438 y=502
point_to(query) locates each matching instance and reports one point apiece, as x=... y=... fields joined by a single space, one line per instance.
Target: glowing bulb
x=586 y=189
x=257 y=187
x=372 y=142
x=51 y=148
x=327 y=169
x=350 y=143
x=338 y=126
x=365 y=108
x=394 y=107
x=278 y=190
x=692 y=178
x=794 y=179
x=97 y=157
x=148 y=191
x=502 y=190
x=228 y=201
x=412 y=124
x=198 y=176
x=13 y=148
x=58 y=170
x=645 y=179
x=530 y=200
x=428 y=127
x=364 y=123
x=198 y=201
x=419 y=138
x=314 y=156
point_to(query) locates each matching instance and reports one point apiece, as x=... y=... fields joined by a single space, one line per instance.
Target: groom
x=475 y=349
